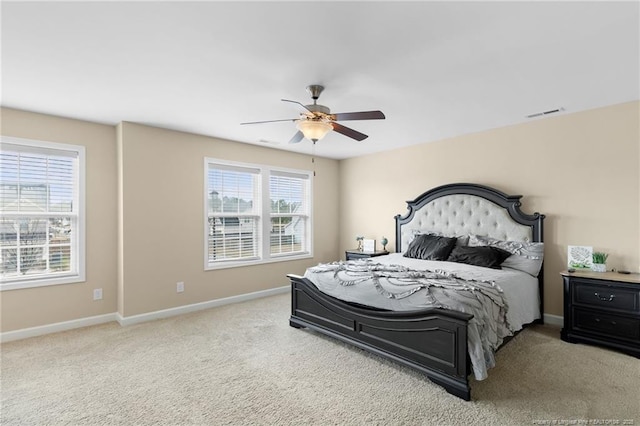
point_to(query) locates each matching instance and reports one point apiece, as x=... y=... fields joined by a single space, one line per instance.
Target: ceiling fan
x=317 y=120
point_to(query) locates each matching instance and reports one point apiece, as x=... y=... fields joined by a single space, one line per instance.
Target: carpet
x=242 y=364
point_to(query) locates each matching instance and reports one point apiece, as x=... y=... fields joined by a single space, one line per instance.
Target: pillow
x=462 y=240
x=526 y=256
x=489 y=257
x=430 y=247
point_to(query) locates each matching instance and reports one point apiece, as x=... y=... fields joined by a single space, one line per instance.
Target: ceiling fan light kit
x=314 y=130
x=316 y=121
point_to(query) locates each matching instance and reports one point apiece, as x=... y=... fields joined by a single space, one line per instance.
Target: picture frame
x=579 y=257
x=369 y=245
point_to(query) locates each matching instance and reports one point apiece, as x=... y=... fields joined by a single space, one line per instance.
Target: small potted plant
x=599 y=261
x=359 y=240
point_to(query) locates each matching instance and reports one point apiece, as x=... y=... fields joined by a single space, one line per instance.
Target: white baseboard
x=165 y=313
x=553 y=320
x=25 y=333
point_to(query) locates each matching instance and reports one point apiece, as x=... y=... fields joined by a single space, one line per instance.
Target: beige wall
x=163 y=219
x=580 y=170
x=46 y=305
x=145 y=215
x=145 y=221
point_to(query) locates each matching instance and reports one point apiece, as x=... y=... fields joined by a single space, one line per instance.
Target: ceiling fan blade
x=353 y=134
x=362 y=115
x=296 y=102
x=297 y=137
x=269 y=121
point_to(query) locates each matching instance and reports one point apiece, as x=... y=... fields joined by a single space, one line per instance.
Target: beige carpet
x=242 y=364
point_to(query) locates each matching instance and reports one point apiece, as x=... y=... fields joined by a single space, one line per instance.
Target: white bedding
x=520 y=291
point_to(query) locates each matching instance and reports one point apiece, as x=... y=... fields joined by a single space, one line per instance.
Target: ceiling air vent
x=540 y=114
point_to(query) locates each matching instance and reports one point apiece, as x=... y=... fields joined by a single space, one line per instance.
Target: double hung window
x=255 y=214
x=42 y=208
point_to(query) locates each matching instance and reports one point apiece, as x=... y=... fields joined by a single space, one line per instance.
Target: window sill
x=41 y=282
x=237 y=264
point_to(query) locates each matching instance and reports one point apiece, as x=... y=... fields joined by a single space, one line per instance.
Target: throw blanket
x=482 y=299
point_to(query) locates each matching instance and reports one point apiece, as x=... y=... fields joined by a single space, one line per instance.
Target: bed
x=432 y=340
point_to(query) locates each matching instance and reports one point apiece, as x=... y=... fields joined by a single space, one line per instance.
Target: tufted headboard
x=467 y=208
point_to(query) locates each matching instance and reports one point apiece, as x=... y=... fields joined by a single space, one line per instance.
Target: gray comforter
x=442 y=289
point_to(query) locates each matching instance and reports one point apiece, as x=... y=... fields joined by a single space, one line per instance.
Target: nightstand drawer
x=608 y=324
x=606 y=297
x=351 y=256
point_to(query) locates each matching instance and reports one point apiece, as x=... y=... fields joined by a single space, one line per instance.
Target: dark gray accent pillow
x=430 y=247
x=526 y=256
x=463 y=240
x=489 y=257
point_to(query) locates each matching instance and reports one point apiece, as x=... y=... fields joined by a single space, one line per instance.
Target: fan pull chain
x=313 y=157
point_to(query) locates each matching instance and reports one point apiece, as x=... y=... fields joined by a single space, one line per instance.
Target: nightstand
x=357 y=254
x=602 y=308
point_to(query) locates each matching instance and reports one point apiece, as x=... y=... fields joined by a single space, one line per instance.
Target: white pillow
x=525 y=256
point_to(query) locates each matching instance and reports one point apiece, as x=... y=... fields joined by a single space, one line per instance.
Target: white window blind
x=233 y=212
x=40 y=203
x=255 y=214
x=289 y=196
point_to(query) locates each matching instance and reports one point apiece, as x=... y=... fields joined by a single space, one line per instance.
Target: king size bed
x=466 y=275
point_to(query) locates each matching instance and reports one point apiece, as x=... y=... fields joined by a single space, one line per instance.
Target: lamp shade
x=314 y=130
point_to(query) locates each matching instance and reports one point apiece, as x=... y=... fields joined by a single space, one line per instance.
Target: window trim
x=79 y=245
x=265 y=218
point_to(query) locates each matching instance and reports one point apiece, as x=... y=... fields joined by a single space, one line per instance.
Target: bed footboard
x=433 y=341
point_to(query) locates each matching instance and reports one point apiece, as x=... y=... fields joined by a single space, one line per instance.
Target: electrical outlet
x=180 y=287
x=97 y=294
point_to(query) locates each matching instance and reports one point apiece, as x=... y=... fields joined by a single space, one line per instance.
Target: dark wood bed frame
x=433 y=341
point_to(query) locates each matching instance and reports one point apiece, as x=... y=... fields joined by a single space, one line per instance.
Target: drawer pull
x=605 y=299
x=611 y=322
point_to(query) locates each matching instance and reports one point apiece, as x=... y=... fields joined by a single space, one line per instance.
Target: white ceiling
x=436 y=69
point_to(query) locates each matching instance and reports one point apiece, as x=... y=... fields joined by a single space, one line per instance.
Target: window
x=234 y=213
x=42 y=207
x=288 y=194
x=255 y=214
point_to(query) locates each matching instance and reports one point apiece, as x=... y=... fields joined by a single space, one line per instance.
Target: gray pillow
x=525 y=256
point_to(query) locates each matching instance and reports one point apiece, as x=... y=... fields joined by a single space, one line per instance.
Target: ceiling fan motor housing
x=318 y=108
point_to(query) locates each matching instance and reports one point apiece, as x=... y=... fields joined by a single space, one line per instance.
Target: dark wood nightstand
x=602 y=308
x=357 y=254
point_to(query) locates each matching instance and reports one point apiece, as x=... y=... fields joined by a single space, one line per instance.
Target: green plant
x=600 y=257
